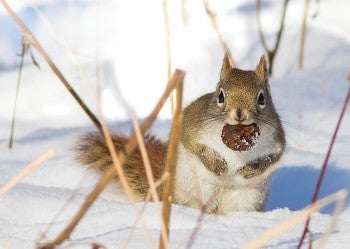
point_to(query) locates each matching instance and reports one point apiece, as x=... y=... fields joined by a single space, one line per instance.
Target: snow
x=132 y=60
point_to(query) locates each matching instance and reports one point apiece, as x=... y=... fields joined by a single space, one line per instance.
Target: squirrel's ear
x=226 y=67
x=261 y=69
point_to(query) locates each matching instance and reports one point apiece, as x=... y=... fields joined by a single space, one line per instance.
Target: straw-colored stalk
x=148 y=198
x=271 y=53
x=212 y=18
x=118 y=160
x=28 y=169
x=168 y=47
x=171 y=164
x=123 y=180
x=148 y=169
x=301 y=216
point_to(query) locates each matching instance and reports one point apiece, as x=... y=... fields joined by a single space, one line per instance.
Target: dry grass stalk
x=167 y=36
x=184 y=15
x=25 y=50
x=303 y=35
x=168 y=47
x=145 y=159
x=121 y=158
x=123 y=180
x=148 y=198
x=325 y=163
x=32 y=40
x=191 y=239
x=295 y=219
x=271 y=53
x=214 y=23
x=339 y=205
x=171 y=163
x=28 y=169
x=148 y=169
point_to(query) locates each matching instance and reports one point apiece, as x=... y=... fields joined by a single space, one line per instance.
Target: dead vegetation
x=174 y=85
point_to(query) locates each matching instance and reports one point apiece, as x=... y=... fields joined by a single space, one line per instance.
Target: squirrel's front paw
x=212 y=160
x=215 y=164
x=220 y=167
x=249 y=171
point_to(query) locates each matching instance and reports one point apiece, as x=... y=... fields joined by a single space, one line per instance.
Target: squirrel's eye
x=261 y=99
x=221 y=97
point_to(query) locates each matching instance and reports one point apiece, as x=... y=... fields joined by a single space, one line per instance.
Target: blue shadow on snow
x=293 y=187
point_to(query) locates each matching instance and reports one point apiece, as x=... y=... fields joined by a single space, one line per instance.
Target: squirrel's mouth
x=231 y=121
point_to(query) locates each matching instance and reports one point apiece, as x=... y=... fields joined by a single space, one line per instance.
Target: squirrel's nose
x=240 y=116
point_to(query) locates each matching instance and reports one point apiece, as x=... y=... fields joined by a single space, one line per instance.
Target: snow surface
x=131 y=53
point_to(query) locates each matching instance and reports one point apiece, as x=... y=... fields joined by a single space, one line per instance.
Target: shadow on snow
x=293 y=187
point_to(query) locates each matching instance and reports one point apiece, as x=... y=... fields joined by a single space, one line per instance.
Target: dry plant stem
x=123 y=180
x=271 y=53
x=303 y=35
x=148 y=169
x=324 y=166
x=167 y=36
x=145 y=159
x=214 y=23
x=171 y=164
x=148 y=198
x=184 y=14
x=97 y=54
x=295 y=219
x=339 y=205
x=192 y=237
x=168 y=46
x=122 y=156
x=32 y=40
x=29 y=168
x=16 y=98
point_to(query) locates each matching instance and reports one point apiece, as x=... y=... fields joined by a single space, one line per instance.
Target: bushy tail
x=92 y=150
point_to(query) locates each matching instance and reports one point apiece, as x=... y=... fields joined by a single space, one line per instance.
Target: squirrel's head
x=242 y=97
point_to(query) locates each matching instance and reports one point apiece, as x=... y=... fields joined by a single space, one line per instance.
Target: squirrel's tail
x=92 y=150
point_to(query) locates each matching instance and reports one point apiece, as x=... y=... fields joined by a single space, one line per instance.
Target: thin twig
x=32 y=166
x=17 y=91
x=31 y=38
x=122 y=156
x=324 y=166
x=167 y=36
x=145 y=158
x=118 y=166
x=97 y=55
x=271 y=53
x=191 y=239
x=168 y=47
x=303 y=35
x=157 y=184
x=214 y=23
x=339 y=205
x=171 y=164
x=295 y=219
x=149 y=174
x=184 y=13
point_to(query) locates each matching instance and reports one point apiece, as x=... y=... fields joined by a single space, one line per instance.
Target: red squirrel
x=209 y=175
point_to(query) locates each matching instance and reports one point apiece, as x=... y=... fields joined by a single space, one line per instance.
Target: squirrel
x=209 y=176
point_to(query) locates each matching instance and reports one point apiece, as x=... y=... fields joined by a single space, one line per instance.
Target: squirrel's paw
x=220 y=167
x=249 y=171
x=216 y=165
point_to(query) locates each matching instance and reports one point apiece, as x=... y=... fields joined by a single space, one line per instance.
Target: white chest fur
x=198 y=187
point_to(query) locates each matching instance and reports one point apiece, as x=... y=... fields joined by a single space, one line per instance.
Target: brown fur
x=92 y=150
